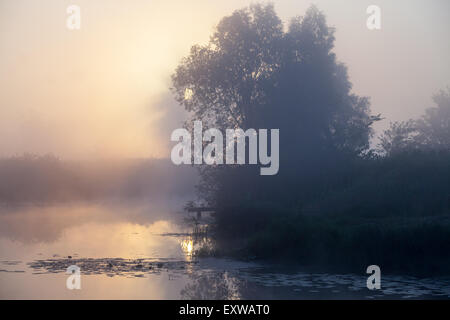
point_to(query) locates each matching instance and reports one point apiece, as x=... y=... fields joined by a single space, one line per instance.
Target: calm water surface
x=145 y=252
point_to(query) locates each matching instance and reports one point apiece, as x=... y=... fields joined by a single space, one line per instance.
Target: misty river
x=145 y=251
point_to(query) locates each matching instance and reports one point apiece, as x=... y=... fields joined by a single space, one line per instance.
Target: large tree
x=253 y=74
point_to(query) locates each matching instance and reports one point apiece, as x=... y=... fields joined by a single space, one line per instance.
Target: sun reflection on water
x=188 y=246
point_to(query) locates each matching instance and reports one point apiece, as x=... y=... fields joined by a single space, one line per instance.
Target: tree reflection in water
x=212 y=286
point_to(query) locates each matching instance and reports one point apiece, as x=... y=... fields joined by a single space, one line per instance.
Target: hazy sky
x=103 y=90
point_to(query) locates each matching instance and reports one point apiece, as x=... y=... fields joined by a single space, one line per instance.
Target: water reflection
x=212 y=285
x=32 y=224
x=194 y=246
x=130 y=252
x=93 y=231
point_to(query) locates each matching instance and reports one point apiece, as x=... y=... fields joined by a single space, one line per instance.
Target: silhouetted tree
x=253 y=74
x=398 y=138
x=430 y=132
x=434 y=126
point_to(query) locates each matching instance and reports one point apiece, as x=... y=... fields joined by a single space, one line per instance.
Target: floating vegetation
x=111 y=266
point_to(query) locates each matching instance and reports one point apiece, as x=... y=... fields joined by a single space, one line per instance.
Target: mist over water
x=144 y=251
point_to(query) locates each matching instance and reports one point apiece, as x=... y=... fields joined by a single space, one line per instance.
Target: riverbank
x=399 y=245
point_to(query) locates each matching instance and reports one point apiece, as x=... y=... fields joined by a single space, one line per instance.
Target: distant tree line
x=33 y=179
